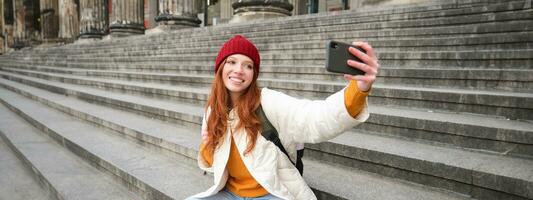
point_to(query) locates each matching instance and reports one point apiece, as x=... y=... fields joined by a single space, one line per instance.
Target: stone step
x=481 y=8
x=364 y=185
x=438 y=33
x=517 y=59
x=149 y=173
x=186 y=114
x=162 y=135
x=508 y=104
x=64 y=175
x=18 y=182
x=515 y=41
x=307 y=88
x=324 y=22
x=511 y=80
x=109 y=118
x=488 y=23
x=263 y=27
x=525 y=35
x=519 y=40
x=480 y=175
x=177 y=87
x=469 y=131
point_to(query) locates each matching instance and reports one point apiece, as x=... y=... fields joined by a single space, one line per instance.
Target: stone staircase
x=451 y=112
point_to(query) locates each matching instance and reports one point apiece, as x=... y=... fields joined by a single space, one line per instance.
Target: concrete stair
x=64 y=175
x=156 y=136
x=17 y=181
x=149 y=173
x=450 y=114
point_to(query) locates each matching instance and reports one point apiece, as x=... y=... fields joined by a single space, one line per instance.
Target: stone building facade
x=32 y=22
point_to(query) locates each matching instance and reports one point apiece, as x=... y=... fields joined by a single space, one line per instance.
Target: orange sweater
x=241 y=182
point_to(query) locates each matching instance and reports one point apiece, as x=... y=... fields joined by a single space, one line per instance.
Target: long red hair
x=219 y=101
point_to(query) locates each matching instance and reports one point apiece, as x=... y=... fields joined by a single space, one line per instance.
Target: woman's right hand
x=205 y=137
x=369 y=64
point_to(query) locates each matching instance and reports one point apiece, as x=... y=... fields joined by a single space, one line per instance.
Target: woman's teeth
x=236 y=79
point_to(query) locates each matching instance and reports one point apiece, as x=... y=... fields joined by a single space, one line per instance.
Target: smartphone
x=337 y=56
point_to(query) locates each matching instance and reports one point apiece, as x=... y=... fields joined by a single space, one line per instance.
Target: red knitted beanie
x=238 y=45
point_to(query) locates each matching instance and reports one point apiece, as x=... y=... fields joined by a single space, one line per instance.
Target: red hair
x=219 y=102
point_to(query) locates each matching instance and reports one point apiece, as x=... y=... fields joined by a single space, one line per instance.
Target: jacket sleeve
x=309 y=121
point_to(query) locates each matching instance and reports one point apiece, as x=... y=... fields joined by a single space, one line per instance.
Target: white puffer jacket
x=297 y=121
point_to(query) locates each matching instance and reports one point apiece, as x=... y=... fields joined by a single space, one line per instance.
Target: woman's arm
x=308 y=121
x=354 y=99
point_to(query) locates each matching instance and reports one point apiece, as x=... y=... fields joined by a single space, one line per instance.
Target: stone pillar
x=9 y=23
x=248 y=10
x=49 y=19
x=20 y=34
x=226 y=11
x=177 y=14
x=322 y=6
x=355 y=4
x=150 y=13
x=2 y=28
x=68 y=19
x=93 y=20
x=127 y=17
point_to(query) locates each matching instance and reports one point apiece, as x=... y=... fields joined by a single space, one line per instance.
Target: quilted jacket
x=297 y=121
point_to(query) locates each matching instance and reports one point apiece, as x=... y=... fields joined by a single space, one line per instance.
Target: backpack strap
x=269 y=132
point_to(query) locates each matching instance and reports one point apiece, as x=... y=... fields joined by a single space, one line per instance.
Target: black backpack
x=271 y=134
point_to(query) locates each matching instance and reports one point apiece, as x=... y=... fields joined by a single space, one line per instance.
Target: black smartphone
x=337 y=56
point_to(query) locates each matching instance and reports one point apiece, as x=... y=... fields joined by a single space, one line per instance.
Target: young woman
x=247 y=166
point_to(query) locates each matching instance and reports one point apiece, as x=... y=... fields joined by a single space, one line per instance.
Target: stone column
x=93 y=20
x=127 y=17
x=2 y=28
x=9 y=23
x=355 y=4
x=68 y=19
x=322 y=6
x=150 y=13
x=49 y=19
x=226 y=11
x=177 y=14
x=20 y=34
x=248 y=10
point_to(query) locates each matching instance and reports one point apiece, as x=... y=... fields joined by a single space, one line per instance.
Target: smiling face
x=237 y=74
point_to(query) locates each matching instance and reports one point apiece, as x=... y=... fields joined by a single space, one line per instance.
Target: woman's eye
x=249 y=66
x=231 y=62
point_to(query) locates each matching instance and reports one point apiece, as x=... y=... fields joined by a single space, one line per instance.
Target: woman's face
x=237 y=74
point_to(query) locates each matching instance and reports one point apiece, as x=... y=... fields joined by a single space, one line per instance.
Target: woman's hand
x=205 y=137
x=369 y=66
